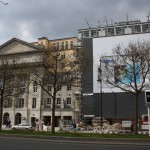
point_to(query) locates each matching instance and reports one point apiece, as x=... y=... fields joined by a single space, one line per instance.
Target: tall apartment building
x=35 y=103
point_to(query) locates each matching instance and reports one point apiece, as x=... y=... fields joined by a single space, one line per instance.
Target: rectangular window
x=47 y=103
x=8 y=103
x=10 y=90
x=57 y=46
x=86 y=33
x=69 y=87
x=69 y=76
x=49 y=88
x=59 y=88
x=71 y=45
x=22 y=85
x=93 y=33
x=110 y=31
x=47 y=79
x=62 y=45
x=145 y=28
x=22 y=88
x=58 y=101
x=118 y=30
x=48 y=100
x=34 y=87
x=137 y=28
x=68 y=101
x=54 y=46
x=20 y=103
x=34 y=103
x=66 y=45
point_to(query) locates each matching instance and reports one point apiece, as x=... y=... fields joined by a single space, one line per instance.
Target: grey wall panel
x=87 y=77
x=119 y=105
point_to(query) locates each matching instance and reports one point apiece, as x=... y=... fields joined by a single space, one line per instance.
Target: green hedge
x=74 y=134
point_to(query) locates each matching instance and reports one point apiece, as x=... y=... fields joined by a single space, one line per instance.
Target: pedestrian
x=73 y=125
x=139 y=124
x=132 y=127
x=37 y=126
x=9 y=122
x=6 y=123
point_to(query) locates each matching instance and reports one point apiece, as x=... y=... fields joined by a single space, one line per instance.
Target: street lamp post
x=101 y=96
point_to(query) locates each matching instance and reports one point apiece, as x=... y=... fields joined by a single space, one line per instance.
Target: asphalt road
x=25 y=144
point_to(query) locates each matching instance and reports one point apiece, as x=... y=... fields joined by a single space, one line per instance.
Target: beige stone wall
x=20 y=52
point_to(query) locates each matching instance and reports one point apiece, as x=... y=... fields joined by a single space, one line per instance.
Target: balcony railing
x=46 y=106
x=67 y=106
x=57 y=106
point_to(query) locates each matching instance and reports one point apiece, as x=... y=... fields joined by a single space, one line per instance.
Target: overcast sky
x=31 y=19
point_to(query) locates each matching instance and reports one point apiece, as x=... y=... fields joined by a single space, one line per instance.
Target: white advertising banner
x=104 y=46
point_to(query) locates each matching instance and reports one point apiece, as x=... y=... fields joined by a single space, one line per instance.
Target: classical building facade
x=35 y=104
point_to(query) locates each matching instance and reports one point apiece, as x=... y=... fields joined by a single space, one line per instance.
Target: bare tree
x=7 y=68
x=13 y=81
x=59 y=68
x=3 y=3
x=127 y=69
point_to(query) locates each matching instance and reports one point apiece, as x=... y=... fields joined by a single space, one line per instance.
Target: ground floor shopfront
x=33 y=117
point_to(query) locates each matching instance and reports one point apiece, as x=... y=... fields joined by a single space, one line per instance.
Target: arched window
x=17 y=118
x=5 y=118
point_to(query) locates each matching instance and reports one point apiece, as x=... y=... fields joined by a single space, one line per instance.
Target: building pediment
x=17 y=46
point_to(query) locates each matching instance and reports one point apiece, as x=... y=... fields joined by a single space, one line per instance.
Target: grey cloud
x=31 y=19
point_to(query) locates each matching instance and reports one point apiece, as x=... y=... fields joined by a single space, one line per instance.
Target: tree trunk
x=53 y=116
x=136 y=114
x=1 y=113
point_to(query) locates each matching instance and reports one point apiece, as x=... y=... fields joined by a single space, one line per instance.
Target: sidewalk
x=91 y=131
x=112 y=141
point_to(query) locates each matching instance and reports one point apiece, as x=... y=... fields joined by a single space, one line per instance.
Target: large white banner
x=104 y=46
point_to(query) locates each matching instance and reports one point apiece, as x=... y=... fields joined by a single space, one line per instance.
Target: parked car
x=23 y=126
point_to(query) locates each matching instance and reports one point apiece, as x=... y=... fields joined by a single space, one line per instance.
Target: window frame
x=68 y=101
x=34 y=100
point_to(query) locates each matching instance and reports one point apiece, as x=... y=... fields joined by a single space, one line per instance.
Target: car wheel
x=13 y=129
x=27 y=129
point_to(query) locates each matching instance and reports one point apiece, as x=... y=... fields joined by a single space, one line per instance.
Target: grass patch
x=74 y=134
